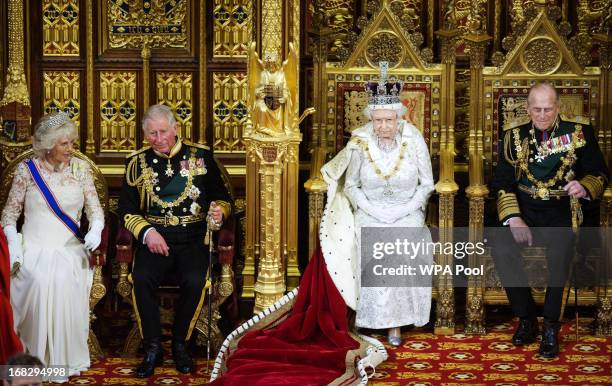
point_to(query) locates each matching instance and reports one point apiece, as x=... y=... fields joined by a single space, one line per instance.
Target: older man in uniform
x=545 y=163
x=170 y=189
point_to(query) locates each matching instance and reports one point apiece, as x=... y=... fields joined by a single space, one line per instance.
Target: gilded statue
x=273 y=92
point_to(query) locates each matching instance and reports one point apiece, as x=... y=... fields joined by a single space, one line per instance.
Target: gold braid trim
x=131 y=173
x=594 y=185
x=135 y=223
x=507 y=205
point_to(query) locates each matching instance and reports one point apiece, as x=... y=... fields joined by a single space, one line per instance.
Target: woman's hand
x=14 y=244
x=94 y=236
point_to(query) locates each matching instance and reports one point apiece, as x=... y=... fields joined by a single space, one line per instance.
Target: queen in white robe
x=382 y=178
x=50 y=290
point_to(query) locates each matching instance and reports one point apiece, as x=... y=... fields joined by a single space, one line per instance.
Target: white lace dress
x=50 y=293
x=372 y=198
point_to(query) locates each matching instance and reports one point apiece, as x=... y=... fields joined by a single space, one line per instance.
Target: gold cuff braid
x=594 y=185
x=135 y=223
x=507 y=205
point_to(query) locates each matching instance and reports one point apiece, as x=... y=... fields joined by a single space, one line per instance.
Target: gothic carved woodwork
x=60 y=28
x=175 y=90
x=231 y=28
x=128 y=24
x=118 y=107
x=229 y=111
x=62 y=92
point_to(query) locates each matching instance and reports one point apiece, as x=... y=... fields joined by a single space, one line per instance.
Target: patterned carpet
x=427 y=359
x=423 y=359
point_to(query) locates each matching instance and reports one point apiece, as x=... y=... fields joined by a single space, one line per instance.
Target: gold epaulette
x=516 y=122
x=577 y=119
x=198 y=145
x=144 y=148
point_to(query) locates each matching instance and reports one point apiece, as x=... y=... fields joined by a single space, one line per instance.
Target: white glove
x=381 y=214
x=399 y=211
x=15 y=244
x=94 y=236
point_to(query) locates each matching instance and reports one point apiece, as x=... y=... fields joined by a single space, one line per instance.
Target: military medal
x=169 y=171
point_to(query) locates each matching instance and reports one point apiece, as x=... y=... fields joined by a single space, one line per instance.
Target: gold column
x=90 y=146
x=476 y=42
x=15 y=103
x=315 y=186
x=604 y=290
x=146 y=73
x=272 y=141
x=446 y=186
x=431 y=17
x=203 y=75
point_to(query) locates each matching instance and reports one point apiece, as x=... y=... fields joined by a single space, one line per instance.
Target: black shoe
x=526 y=332
x=549 y=348
x=153 y=356
x=182 y=359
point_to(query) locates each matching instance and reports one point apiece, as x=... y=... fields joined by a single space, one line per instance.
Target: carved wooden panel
x=117 y=109
x=60 y=27
x=175 y=89
x=62 y=93
x=229 y=110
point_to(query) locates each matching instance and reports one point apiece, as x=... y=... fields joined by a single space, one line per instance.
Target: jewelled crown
x=384 y=93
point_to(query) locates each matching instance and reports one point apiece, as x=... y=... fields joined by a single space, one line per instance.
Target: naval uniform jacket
x=171 y=193
x=531 y=173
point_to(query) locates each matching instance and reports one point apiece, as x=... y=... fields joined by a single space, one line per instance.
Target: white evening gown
x=386 y=307
x=50 y=293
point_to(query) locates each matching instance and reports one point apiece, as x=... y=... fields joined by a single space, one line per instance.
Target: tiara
x=56 y=120
x=383 y=93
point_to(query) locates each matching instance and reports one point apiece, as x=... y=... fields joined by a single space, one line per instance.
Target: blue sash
x=52 y=202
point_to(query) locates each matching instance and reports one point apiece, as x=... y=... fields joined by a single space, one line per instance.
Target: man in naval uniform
x=170 y=189
x=545 y=164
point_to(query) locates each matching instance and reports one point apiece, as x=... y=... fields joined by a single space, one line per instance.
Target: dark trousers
x=550 y=225
x=189 y=259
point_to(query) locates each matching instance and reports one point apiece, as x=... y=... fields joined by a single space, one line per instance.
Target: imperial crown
x=384 y=93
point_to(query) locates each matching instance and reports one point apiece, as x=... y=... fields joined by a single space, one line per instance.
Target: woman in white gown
x=387 y=178
x=50 y=291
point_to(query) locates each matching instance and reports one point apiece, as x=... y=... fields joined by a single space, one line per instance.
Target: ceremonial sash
x=52 y=202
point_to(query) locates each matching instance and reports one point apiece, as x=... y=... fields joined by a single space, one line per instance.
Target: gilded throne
x=540 y=53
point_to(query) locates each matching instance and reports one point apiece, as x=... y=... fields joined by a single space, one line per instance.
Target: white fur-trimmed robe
x=356 y=200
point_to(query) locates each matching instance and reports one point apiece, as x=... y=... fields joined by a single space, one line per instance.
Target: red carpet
x=424 y=359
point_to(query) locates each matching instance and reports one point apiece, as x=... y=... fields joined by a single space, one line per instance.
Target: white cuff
x=144 y=237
